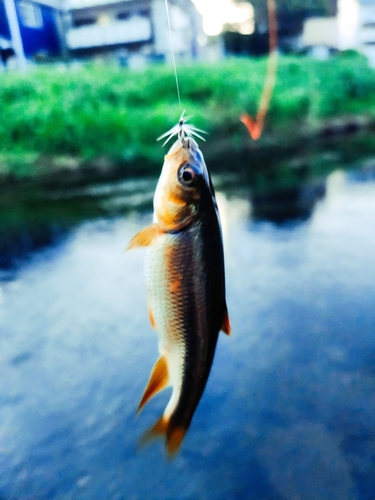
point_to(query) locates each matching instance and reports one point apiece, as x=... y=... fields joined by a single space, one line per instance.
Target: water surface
x=289 y=408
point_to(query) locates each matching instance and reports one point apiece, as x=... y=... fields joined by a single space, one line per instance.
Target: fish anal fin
x=159 y=380
x=151 y=317
x=145 y=237
x=226 y=328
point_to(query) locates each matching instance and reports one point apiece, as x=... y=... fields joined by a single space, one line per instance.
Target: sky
x=218 y=12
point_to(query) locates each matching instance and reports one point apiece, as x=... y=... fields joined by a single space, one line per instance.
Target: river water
x=289 y=408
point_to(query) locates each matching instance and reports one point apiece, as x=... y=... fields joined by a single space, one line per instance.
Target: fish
x=185 y=282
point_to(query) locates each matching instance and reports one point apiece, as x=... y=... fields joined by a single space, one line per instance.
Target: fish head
x=183 y=179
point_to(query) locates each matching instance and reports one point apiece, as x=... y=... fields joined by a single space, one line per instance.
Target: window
x=123 y=15
x=369 y=25
x=30 y=15
x=86 y=21
x=143 y=12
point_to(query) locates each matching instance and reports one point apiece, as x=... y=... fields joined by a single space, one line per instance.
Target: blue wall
x=4 y=28
x=35 y=40
x=44 y=39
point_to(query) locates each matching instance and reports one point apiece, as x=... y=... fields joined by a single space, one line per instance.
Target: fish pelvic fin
x=226 y=328
x=151 y=317
x=162 y=428
x=159 y=380
x=144 y=238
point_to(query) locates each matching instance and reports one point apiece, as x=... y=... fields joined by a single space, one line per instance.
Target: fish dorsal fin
x=226 y=328
x=159 y=380
x=144 y=238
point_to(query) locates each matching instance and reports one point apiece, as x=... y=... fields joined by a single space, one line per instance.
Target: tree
x=318 y=7
x=327 y=7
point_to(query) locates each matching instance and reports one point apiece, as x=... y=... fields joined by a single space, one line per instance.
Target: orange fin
x=173 y=438
x=144 y=238
x=158 y=381
x=226 y=323
x=158 y=429
x=151 y=317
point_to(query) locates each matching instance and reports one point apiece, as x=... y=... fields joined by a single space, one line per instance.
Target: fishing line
x=173 y=58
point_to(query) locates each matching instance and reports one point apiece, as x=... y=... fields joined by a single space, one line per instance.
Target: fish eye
x=187 y=175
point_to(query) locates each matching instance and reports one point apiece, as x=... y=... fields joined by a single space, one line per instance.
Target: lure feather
x=182 y=129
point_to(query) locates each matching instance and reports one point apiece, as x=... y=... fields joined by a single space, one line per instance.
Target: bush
x=95 y=111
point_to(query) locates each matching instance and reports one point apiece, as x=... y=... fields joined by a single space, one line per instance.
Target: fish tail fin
x=175 y=437
x=162 y=428
x=156 y=430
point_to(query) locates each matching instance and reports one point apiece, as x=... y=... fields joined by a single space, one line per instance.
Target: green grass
x=105 y=111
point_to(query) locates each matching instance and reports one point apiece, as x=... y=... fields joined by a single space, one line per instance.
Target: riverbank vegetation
x=69 y=117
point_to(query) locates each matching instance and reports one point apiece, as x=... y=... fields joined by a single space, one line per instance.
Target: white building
x=134 y=27
x=352 y=28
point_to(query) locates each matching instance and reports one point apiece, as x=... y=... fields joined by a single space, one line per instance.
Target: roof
x=56 y=4
x=367 y=3
x=81 y=4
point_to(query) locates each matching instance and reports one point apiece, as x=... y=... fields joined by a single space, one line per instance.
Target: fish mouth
x=190 y=147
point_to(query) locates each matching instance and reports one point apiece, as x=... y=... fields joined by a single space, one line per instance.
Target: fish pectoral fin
x=226 y=328
x=144 y=238
x=159 y=380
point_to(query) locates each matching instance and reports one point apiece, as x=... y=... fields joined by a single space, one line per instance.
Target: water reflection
x=288 y=411
x=280 y=191
x=284 y=197
x=33 y=219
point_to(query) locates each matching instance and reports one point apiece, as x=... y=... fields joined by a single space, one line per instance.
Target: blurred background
x=86 y=87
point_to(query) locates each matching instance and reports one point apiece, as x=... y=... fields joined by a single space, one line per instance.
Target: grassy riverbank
x=73 y=118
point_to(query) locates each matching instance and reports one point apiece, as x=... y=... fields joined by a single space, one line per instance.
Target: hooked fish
x=186 y=284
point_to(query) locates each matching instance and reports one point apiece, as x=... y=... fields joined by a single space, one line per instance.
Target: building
x=290 y=24
x=130 y=29
x=352 y=28
x=31 y=28
x=133 y=27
